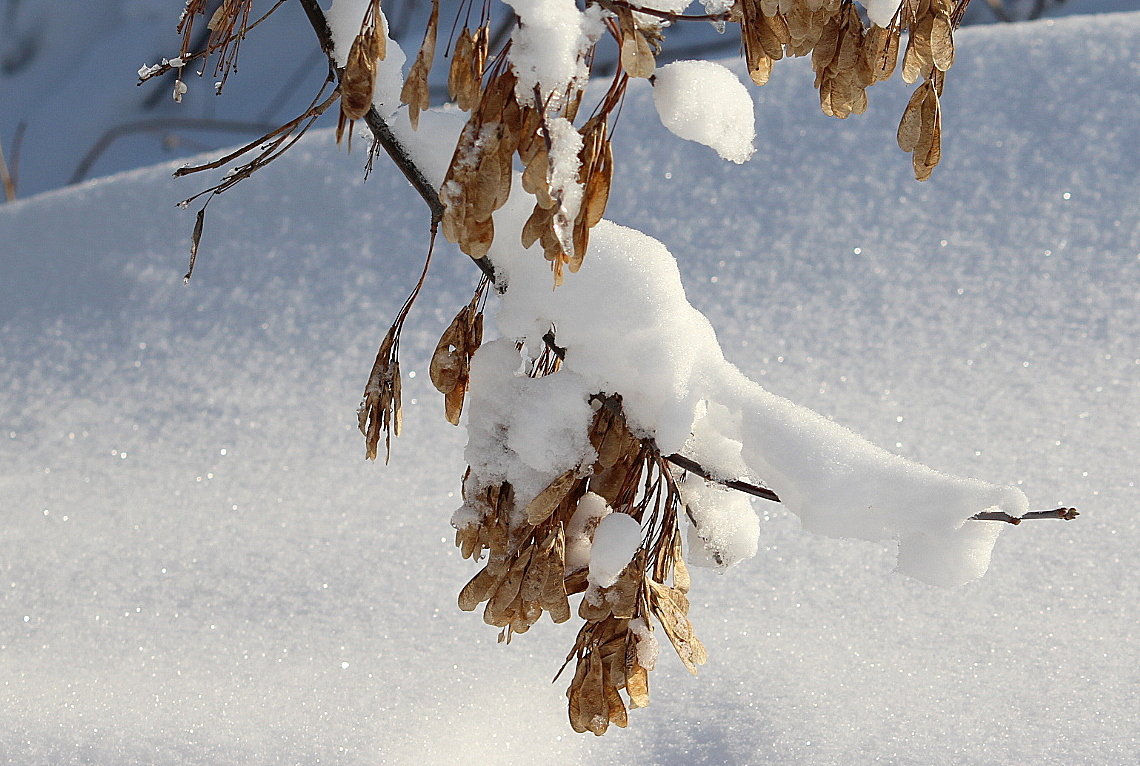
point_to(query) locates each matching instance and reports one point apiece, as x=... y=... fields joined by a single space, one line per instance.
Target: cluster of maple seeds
x=479 y=177
x=848 y=57
x=530 y=569
x=358 y=80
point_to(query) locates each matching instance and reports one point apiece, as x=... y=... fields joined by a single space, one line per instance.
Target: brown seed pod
x=415 y=91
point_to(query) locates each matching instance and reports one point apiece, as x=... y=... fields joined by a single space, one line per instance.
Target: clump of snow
x=703 y=101
x=627 y=327
x=668 y=6
x=646 y=644
x=721 y=453
x=880 y=12
x=521 y=429
x=592 y=508
x=565 y=146
x=615 y=542
x=717 y=6
x=546 y=49
x=724 y=529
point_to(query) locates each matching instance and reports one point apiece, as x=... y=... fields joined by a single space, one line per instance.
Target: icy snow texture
x=546 y=47
x=724 y=529
x=881 y=11
x=703 y=101
x=521 y=429
x=615 y=541
x=1009 y=352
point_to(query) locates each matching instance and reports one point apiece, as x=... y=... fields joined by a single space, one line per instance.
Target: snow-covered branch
x=601 y=410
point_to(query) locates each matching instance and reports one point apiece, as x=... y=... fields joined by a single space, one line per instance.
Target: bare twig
x=383 y=134
x=160 y=69
x=279 y=132
x=1066 y=514
x=692 y=466
x=158 y=124
x=666 y=15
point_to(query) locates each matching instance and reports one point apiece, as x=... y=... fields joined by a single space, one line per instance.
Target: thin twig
x=313 y=111
x=666 y=15
x=1066 y=514
x=693 y=466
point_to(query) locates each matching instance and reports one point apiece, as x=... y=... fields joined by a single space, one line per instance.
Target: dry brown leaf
x=616 y=711
x=479 y=235
x=574 y=695
x=415 y=91
x=760 y=69
x=636 y=56
x=359 y=78
x=448 y=363
x=598 y=184
x=534 y=175
x=772 y=33
x=917 y=61
x=910 y=127
x=671 y=607
x=499 y=611
x=637 y=685
x=453 y=403
x=595 y=708
x=480 y=587
x=681 y=580
x=536 y=225
x=942 y=43
x=538 y=509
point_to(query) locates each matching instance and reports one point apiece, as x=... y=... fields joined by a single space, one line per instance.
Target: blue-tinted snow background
x=197 y=566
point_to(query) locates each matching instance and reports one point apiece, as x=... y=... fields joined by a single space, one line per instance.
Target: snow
x=185 y=606
x=703 y=101
x=580 y=531
x=880 y=12
x=724 y=530
x=545 y=49
x=521 y=429
x=615 y=542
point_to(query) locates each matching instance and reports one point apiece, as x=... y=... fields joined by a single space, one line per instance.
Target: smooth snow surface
x=200 y=568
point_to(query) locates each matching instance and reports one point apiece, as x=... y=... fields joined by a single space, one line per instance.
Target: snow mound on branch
x=522 y=429
x=724 y=530
x=628 y=328
x=546 y=48
x=703 y=101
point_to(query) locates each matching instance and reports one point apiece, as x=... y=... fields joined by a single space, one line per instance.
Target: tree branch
x=383 y=134
x=391 y=144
